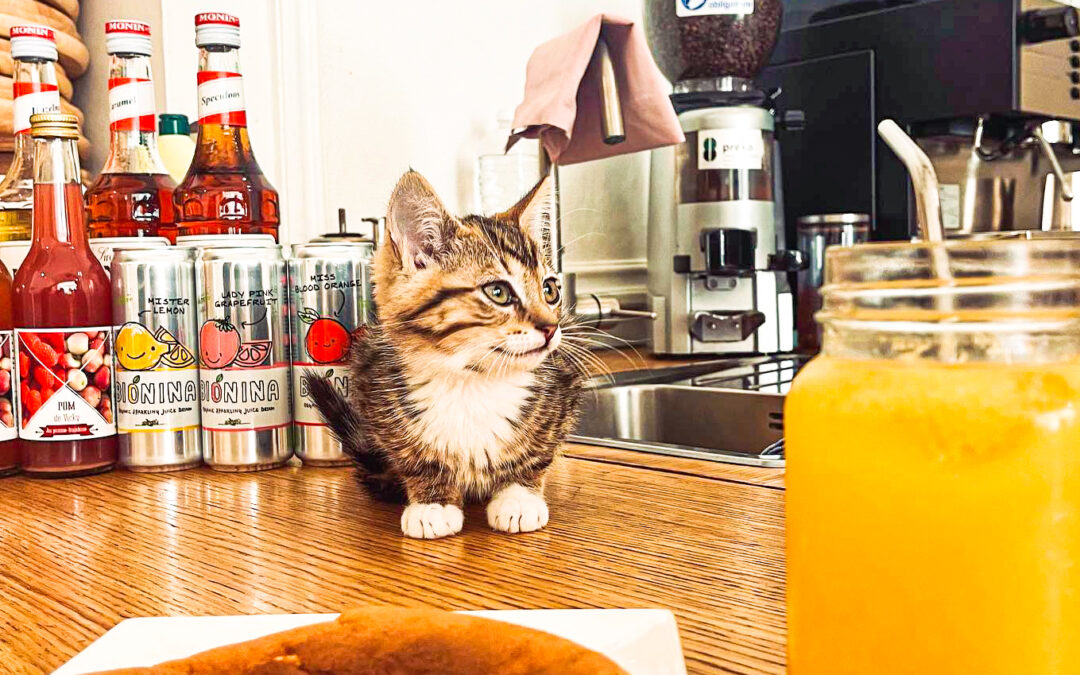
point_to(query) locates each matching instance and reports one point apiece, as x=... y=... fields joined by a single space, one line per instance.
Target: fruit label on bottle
x=157 y=380
x=730 y=149
x=32 y=98
x=221 y=98
x=8 y=384
x=708 y=7
x=131 y=104
x=240 y=385
x=65 y=383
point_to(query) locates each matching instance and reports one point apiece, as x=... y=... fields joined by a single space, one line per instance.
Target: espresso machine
x=717 y=264
x=990 y=89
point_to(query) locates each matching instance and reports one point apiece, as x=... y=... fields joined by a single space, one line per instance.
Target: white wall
x=419 y=84
x=393 y=85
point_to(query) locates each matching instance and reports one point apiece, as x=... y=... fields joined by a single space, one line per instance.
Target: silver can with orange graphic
x=244 y=375
x=330 y=302
x=156 y=374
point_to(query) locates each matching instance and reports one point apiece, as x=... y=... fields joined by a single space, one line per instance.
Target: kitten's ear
x=416 y=222
x=535 y=212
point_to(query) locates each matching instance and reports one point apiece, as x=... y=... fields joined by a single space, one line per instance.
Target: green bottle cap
x=172 y=123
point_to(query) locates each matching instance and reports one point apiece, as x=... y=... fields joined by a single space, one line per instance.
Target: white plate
x=643 y=641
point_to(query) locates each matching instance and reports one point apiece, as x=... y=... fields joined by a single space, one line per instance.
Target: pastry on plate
x=395 y=641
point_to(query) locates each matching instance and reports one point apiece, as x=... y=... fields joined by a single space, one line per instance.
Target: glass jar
x=933 y=475
x=814 y=235
x=727 y=156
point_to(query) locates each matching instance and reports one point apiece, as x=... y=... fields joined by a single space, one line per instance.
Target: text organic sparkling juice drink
x=63 y=318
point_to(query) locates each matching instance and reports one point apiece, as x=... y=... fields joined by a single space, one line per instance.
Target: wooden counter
x=704 y=540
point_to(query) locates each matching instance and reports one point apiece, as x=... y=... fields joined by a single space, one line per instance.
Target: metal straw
x=923 y=176
x=928 y=206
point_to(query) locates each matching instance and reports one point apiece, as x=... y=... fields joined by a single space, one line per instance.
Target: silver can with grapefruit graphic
x=330 y=303
x=157 y=376
x=244 y=376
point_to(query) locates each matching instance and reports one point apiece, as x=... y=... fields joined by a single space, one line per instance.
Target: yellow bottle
x=175 y=144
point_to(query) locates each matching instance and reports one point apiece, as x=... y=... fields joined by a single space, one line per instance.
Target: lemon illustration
x=178 y=356
x=137 y=348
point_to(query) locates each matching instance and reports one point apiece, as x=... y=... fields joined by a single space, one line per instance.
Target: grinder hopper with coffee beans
x=718 y=277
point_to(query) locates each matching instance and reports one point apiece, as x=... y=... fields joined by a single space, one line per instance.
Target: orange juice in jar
x=933 y=472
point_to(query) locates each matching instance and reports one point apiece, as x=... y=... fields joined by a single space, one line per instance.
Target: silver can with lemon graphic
x=157 y=374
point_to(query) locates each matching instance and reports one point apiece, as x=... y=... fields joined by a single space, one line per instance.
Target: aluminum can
x=330 y=302
x=157 y=376
x=244 y=383
x=105 y=248
x=225 y=240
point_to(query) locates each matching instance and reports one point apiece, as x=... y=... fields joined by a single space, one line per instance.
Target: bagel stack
x=60 y=15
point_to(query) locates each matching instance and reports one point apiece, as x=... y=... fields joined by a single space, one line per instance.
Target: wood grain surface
x=751 y=475
x=77 y=556
x=69 y=7
x=40 y=13
x=74 y=56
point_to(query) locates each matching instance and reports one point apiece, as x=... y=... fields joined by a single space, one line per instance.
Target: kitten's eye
x=499 y=292
x=551 y=291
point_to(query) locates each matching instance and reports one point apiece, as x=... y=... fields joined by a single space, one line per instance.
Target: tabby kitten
x=459 y=391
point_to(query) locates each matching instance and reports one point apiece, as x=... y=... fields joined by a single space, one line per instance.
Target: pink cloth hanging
x=562 y=105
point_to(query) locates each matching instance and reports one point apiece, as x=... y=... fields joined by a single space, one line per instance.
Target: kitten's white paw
x=517 y=509
x=431 y=521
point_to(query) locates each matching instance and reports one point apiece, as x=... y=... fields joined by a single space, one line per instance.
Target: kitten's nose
x=548 y=330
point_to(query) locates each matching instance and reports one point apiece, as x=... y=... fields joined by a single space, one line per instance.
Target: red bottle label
x=8 y=384
x=66 y=391
x=221 y=98
x=131 y=104
x=32 y=98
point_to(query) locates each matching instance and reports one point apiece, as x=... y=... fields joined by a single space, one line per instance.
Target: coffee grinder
x=717 y=265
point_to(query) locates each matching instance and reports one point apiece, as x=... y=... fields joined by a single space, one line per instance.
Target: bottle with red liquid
x=9 y=451
x=132 y=196
x=225 y=191
x=34 y=90
x=63 y=315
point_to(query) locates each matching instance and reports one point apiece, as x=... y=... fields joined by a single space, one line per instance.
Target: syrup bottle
x=9 y=452
x=34 y=91
x=63 y=313
x=224 y=191
x=132 y=196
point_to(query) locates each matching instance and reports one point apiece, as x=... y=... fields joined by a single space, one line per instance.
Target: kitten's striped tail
x=344 y=422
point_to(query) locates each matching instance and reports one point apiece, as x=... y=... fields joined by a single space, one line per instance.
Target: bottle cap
x=127 y=37
x=174 y=124
x=33 y=42
x=54 y=125
x=217 y=28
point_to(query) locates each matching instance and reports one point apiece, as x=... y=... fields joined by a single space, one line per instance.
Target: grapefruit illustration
x=252 y=353
x=219 y=343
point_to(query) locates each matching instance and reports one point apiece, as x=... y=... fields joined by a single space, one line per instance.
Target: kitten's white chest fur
x=471 y=416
